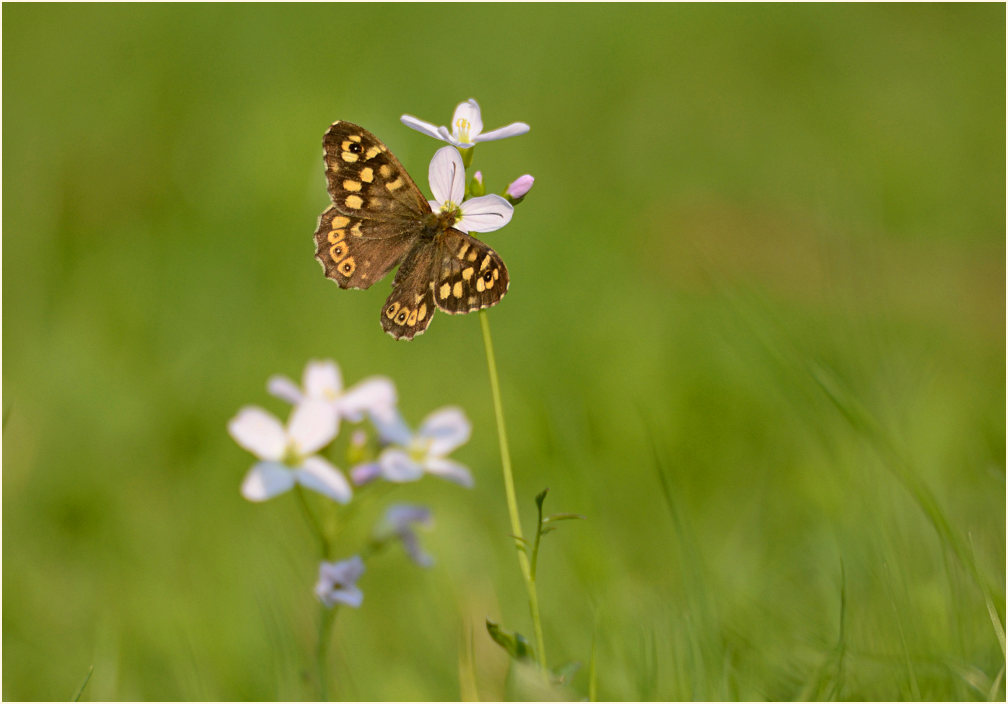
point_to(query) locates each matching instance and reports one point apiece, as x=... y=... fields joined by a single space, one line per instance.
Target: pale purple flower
x=337 y=582
x=399 y=522
x=520 y=186
x=410 y=455
x=322 y=381
x=466 y=127
x=287 y=452
x=447 y=182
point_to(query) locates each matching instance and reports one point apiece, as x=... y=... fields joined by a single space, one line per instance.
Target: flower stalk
x=509 y=490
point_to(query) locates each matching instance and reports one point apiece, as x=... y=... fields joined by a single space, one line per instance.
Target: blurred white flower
x=337 y=582
x=447 y=181
x=322 y=381
x=287 y=453
x=466 y=127
x=399 y=522
x=410 y=454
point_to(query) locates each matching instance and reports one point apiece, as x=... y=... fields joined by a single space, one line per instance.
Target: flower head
x=410 y=454
x=447 y=181
x=322 y=381
x=466 y=127
x=287 y=452
x=337 y=582
x=399 y=522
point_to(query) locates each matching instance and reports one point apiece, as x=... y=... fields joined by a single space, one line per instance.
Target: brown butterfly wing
x=377 y=209
x=469 y=275
x=409 y=308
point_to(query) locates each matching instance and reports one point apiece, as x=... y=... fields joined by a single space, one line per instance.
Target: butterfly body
x=379 y=219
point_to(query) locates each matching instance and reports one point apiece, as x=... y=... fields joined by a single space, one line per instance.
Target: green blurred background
x=755 y=334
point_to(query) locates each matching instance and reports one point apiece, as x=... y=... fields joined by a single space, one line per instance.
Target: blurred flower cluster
x=382 y=447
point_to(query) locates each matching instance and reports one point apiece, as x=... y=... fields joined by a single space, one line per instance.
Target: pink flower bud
x=520 y=186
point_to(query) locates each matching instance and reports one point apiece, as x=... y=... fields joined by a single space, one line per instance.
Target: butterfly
x=379 y=219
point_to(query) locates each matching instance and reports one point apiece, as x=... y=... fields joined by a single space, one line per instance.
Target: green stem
x=328 y=616
x=509 y=490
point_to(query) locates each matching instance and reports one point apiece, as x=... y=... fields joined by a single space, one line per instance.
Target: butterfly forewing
x=365 y=179
x=468 y=275
x=378 y=219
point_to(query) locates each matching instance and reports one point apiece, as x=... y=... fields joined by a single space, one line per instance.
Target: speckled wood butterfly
x=378 y=219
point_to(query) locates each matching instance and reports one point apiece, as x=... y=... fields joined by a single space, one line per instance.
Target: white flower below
x=337 y=582
x=447 y=181
x=322 y=381
x=287 y=453
x=411 y=455
x=466 y=127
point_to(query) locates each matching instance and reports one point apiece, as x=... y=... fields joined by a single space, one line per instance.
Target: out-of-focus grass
x=747 y=221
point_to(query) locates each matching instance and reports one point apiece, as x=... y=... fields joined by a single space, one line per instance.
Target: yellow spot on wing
x=354 y=202
x=412 y=318
x=392 y=185
x=367 y=174
x=348 y=157
x=444 y=291
x=467 y=273
x=339 y=221
x=462 y=250
x=385 y=170
x=391 y=310
x=351 y=185
x=372 y=152
x=472 y=256
x=485 y=263
x=457 y=289
x=356 y=230
x=422 y=311
x=336 y=235
x=480 y=286
x=348 y=267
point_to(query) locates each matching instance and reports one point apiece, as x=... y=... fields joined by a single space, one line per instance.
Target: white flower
x=337 y=582
x=413 y=454
x=447 y=182
x=287 y=453
x=399 y=522
x=466 y=127
x=322 y=381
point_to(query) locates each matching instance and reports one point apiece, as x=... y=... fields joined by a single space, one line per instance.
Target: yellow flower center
x=462 y=126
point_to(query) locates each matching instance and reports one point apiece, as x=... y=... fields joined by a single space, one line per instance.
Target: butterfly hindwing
x=351 y=254
x=409 y=308
x=468 y=274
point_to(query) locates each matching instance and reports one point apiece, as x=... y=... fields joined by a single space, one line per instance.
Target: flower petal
x=397 y=466
x=312 y=425
x=259 y=433
x=520 y=186
x=392 y=429
x=265 y=480
x=337 y=582
x=282 y=387
x=468 y=111
x=318 y=475
x=446 y=428
x=323 y=380
x=512 y=130
x=376 y=394
x=485 y=214
x=450 y=470
x=447 y=176
x=364 y=473
x=420 y=126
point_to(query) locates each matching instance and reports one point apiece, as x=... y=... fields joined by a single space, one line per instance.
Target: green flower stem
x=509 y=490
x=327 y=615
